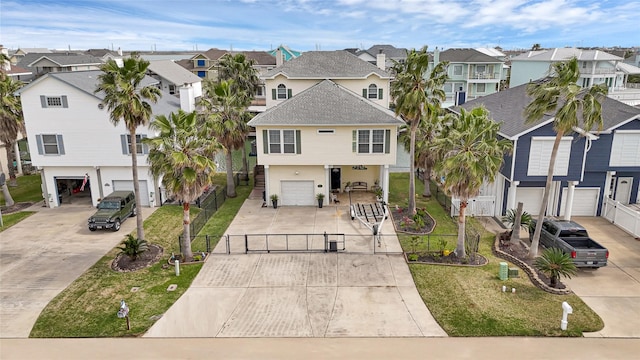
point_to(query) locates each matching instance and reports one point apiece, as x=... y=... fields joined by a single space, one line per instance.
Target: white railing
x=478 y=206
x=622 y=216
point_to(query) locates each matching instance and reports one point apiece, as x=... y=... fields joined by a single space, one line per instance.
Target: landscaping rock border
x=485 y=261
x=142 y=264
x=533 y=275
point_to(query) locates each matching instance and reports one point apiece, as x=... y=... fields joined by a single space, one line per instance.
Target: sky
x=304 y=25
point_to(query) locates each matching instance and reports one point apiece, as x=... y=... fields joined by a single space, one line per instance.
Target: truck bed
x=582 y=243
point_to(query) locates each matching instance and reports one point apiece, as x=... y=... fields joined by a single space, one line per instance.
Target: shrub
x=510 y=219
x=555 y=263
x=133 y=247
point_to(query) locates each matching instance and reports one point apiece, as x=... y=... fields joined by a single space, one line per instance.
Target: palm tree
x=11 y=123
x=126 y=100
x=182 y=154
x=425 y=156
x=246 y=82
x=536 y=47
x=414 y=92
x=472 y=154
x=554 y=263
x=573 y=106
x=226 y=121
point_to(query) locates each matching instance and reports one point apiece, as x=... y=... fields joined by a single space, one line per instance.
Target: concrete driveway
x=352 y=294
x=42 y=255
x=612 y=291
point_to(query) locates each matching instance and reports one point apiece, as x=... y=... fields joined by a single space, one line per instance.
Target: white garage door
x=531 y=198
x=297 y=193
x=128 y=185
x=585 y=201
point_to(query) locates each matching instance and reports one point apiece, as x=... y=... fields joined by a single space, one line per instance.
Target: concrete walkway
x=352 y=294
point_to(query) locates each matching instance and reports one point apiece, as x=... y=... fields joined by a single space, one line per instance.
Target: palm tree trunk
x=185 y=241
x=427 y=181
x=515 y=234
x=136 y=183
x=245 y=162
x=460 y=250
x=412 y=168
x=231 y=186
x=10 y=149
x=535 y=241
x=8 y=200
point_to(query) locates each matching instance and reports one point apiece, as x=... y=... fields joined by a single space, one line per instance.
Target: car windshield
x=109 y=205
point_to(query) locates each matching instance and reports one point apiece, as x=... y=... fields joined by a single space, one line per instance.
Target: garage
x=128 y=185
x=297 y=193
x=585 y=201
x=531 y=198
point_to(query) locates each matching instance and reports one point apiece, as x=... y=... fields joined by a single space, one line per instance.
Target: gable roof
x=389 y=51
x=466 y=56
x=561 y=54
x=326 y=103
x=173 y=72
x=87 y=81
x=327 y=65
x=507 y=107
x=16 y=70
x=288 y=52
x=62 y=59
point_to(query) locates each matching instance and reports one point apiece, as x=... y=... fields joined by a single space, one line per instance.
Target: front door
x=623 y=190
x=335 y=179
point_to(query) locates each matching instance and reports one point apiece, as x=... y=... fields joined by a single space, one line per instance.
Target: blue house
x=589 y=166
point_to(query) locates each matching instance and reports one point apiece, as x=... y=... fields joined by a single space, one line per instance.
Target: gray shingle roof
x=87 y=81
x=337 y=64
x=63 y=59
x=326 y=103
x=390 y=51
x=508 y=106
x=466 y=56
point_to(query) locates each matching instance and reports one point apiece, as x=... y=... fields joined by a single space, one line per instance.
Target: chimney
x=436 y=56
x=381 y=60
x=279 y=57
x=187 y=98
x=119 y=51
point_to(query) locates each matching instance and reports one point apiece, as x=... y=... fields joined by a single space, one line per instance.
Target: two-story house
x=472 y=74
x=206 y=65
x=589 y=166
x=327 y=123
x=72 y=139
x=40 y=64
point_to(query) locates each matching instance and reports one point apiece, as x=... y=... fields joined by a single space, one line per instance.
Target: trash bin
x=333 y=246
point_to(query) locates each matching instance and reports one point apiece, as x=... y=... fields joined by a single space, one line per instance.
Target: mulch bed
x=521 y=252
x=451 y=259
x=16 y=207
x=123 y=263
x=402 y=223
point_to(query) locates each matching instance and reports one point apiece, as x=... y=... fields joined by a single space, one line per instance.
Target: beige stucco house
x=327 y=123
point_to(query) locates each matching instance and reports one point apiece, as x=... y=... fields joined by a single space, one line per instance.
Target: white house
x=178 y=81
x=71 y=138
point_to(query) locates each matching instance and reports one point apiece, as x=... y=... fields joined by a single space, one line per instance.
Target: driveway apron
x=612 y=291
x=356 y=293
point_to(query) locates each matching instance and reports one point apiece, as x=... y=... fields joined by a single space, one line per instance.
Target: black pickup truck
x=573 y=239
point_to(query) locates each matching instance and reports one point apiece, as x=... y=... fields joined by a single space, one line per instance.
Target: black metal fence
x=436 y=192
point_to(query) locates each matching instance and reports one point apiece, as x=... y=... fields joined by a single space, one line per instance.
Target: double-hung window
x=50 y=144
x=283 y=141
x=375 y=141
x=126 y=144
x=373 y=91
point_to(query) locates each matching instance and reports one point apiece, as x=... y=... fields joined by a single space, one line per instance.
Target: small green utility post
x=504 y=271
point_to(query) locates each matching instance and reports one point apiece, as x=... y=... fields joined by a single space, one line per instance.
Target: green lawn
x=28 y=189
x=468 y=301
x=96 y=294
x=11 y=219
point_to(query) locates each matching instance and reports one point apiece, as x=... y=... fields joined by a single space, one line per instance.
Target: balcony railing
x=599 y=71
x=487 y=76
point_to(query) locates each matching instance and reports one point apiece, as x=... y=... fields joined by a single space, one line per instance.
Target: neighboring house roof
x=338 y=64
x=288 y=52
x=186 y=63
x=87 y=81
x=261 y=57
x=492 y=52
x=100 y=52
x=389 y=51
x=507 y=107
x=173 y=72
x=561 y=54
x=16 y=70
x=466 y=56
x=627 y=68
x=326 y=104
x=34 y=50
x=62 y=59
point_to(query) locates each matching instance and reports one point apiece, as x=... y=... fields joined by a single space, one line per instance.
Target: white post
x=267 y=193
x=177 y=264
x=385 y=184
x=568 y=207
x=18 y=160
x=511 y=195
x=327 y=183
x=566 y=310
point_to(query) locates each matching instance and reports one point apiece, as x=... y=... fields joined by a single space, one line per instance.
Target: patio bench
x=359 y=185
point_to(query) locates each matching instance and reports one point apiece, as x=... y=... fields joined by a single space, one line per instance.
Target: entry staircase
x=258 y=182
